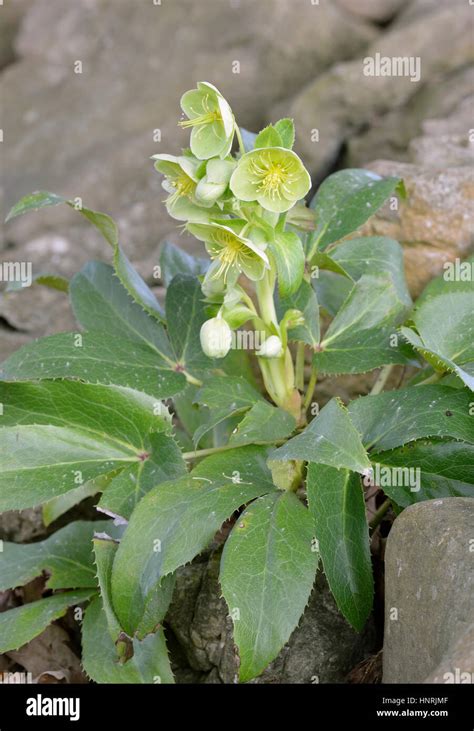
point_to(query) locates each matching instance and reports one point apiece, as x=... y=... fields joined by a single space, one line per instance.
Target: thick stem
x=278 y=373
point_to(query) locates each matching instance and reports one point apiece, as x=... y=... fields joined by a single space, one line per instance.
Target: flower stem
x=300 y=366
x=240 y=140
x=382 y=379
x=379 y=515
x=310 y=390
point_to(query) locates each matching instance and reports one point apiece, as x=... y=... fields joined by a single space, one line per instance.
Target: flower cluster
x=238 y=204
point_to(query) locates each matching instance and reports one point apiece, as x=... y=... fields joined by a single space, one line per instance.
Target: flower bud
x=271 y=348
x=216 y=337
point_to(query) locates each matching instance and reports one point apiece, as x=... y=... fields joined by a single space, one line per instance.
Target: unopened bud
x=216 y=337
x=271 y=348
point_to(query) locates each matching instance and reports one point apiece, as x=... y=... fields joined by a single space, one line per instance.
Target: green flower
x=211 y=119
x=234 y=252
x=180 y=182
x=273 y=176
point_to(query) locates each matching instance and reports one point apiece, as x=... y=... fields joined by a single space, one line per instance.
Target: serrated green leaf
x=263 y=424
x=345 y=200
x=129 y=277
x=104 y=553
x=38 y=463
x=56 y=507
x=95 y=358
x=176 y=520
x=426 y=471
x=58 y=435
x=361 y=335
x=330 y=439
x=174 y=260
x=288 y=253
x=268 y=137
x=306 y=301
x=336 y=503
x=100 y=302
x=125 y=490
x=149 y=664
x=225 y=396
x=34 y=202
x=267 y=573
x=286 y=129
x=108 y=412
x=375 y=255
x=52 y=281
x=185 y=313
x=332 y=290
x=66 y=556
x=135 y=285
x=391 y=419
x=22 y=624
x=445 y=332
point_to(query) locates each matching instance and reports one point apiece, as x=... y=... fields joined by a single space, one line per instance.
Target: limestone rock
x=343 y=101
x=436 y=222
x=322 y=649
x=457 y=666
x=377 y=10
x=441 y=108
x=429 y=590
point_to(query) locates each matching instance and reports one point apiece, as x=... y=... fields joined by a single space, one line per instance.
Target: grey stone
x=377 y=10
x=322 y=649
x=11 y=14
x=446 y=102
x=343 y=101
x=457 y=666
x=429 y=581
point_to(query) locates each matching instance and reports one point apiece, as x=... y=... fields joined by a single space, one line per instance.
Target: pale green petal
x=242 y=185
x=208 y=140
x=219 y=171
x=182 y=209
x=227 y=116
x=276 y=205
x=192 y=102
x=207 y=193
x=299 y=187
x=254 y=269
x=202 y=231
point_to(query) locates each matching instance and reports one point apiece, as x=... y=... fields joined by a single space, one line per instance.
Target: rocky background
x=91 y=135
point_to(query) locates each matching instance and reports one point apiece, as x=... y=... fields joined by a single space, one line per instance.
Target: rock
x=429 y=590
x=344 y=101
x=457 y=666
x=22 y=526
x=91 y=134
x=436 y=222
x=323 y=648
x=379 y=11
x=445 y=102
x=11 y=13
x=447 y=142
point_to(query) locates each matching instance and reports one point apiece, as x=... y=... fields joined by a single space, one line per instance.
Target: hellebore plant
x=181 y=418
